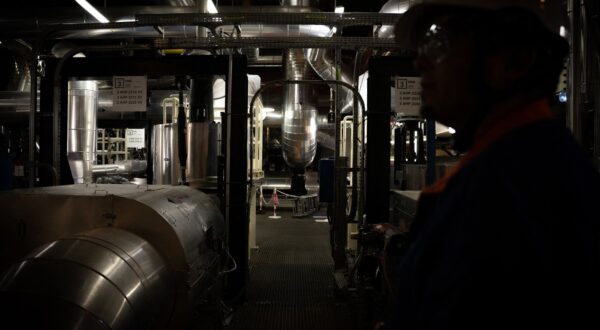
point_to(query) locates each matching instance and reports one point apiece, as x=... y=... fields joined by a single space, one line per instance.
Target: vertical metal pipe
x=338 y=119
x=361 y=178
x=430 y=170
x=339 y=204
x=181 y=126
x=227 y=138
x=32 y=109
x=355 y=165
x=81 y=129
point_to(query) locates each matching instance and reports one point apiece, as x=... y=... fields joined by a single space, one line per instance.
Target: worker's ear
x=505 y=68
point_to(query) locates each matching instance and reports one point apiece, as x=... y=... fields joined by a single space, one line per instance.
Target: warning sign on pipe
x=129 y=93
x=408 y=95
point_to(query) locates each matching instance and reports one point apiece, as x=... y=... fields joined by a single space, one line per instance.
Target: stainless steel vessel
x=166 y=166
x=198 y=144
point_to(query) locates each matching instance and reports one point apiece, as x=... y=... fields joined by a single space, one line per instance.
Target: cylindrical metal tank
x=81 y=128
x=106 y=278
x=299 y=130
x=106 y=233
x=166 y=167
x=201 y=143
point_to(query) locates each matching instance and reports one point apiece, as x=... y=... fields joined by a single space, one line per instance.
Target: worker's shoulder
x=547 y=141
x=543 y=154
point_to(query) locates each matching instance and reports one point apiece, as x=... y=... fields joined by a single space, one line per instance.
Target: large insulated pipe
x=81 y=129
x=299 y=130
x=107 y=278
x=321 y=61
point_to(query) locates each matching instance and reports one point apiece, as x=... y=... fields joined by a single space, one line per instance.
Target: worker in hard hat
x=509 y=239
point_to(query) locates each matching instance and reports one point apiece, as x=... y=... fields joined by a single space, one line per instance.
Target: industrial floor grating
x=291 y=281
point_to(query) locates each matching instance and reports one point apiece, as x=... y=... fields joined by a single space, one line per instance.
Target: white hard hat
x=420 y=9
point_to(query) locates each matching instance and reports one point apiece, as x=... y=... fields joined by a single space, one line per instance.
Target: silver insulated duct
x=110 y=256
x=81 y=129
x=106 y=278
x=299 y=130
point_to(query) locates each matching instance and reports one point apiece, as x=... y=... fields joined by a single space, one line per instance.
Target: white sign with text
x=408 y=95
x=135 y=138
x=129 y=93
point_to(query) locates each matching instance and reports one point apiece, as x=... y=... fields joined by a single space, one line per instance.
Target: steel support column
x=381 y=71
x=378 y=137
x=236 y=174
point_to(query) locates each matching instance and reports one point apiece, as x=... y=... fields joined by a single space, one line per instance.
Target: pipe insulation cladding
x=81 y=128
x=299 y=130
x=103 y=278
x=109 y=257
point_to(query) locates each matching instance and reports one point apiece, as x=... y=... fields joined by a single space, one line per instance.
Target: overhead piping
x=299 y=129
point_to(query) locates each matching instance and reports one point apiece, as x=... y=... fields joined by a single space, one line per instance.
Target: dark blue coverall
x=510 y=239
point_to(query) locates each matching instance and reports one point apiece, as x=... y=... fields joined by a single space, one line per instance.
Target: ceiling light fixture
x=92 y=11
x=211 y=8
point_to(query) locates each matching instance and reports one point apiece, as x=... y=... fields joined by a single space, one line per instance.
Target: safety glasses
x=438 y=37
x=434 y=45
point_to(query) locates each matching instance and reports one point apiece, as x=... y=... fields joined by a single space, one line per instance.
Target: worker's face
x=445 y=58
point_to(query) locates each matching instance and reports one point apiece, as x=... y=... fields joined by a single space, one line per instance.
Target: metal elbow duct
x=106 y=278
x=320 y=60
x=392 y=7
x=299 y=130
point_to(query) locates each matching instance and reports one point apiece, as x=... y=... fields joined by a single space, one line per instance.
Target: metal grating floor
x=291 y=281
